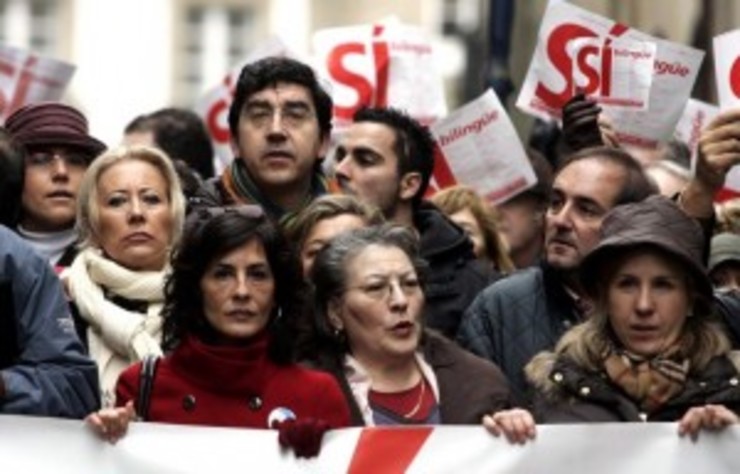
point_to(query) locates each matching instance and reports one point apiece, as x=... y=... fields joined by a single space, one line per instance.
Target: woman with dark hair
x=651 y=350
x=231 y=300
x=369 y=301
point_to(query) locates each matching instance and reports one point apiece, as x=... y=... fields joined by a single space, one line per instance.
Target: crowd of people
x=302 y=294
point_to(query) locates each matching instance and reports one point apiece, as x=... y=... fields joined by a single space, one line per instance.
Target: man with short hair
x=56 y=149
x=280 y=123
x=527 y=312
x=386 y=159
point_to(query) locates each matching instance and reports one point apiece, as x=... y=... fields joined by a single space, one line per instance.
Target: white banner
x=549 y=81
x=26 y=77
x=482 y=149
x=42 y=445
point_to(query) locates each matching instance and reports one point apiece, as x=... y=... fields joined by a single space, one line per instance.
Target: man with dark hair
x=527 y=312
x=386 y=159
x=280 y=123
x=178 y=132
x=43 y=370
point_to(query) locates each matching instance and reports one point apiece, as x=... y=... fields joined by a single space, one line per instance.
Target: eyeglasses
x=46 y=159
x=291 y=115
x=383 y=289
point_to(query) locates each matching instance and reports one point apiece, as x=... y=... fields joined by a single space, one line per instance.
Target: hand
x=718 y=151
x=303 y=435
x=111 y=424
x=708 y=417
x=516 y=424
x=581 y=123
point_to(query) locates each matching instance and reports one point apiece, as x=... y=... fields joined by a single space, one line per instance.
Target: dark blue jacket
x=42 y=364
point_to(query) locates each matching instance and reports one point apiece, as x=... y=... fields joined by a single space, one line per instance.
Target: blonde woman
x=130 y=213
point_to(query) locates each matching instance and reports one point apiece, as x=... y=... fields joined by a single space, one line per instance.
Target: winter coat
x=516 y=318
x=200 y=384
x=42 y=363
x=467 y=387
x=455 y=276
x=571 y=394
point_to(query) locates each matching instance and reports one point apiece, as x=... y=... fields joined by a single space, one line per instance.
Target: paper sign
x=727 y=68
x=213 y=107
x=696 y=116
x=389 y=64
x=483 y=151
x=613 y=72
x=26 y=77
x=549 y=81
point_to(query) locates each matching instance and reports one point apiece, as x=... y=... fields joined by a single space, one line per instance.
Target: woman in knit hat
x=651 y=351
x=56 y=149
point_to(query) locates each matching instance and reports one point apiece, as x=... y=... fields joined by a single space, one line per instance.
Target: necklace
x=416 y=407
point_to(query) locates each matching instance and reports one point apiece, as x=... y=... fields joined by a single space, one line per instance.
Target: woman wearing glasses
x=369 y=301
x=232 y=299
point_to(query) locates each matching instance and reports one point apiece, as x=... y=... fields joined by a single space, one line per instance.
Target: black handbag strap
x=146 y=384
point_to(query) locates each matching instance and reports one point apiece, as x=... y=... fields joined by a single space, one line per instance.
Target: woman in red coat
x=231 y=302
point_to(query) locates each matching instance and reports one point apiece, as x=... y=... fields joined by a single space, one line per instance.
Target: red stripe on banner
x=387 y=450
x=725 y=194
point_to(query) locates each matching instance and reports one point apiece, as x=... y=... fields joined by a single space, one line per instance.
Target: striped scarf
x=243 y=190
x=651 y=382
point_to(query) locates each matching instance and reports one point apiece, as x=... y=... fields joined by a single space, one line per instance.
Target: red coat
x=200 y=384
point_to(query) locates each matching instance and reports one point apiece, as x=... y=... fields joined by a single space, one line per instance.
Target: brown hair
x=458 y=198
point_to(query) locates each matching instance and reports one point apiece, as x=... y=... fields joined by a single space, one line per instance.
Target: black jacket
x=455 y=276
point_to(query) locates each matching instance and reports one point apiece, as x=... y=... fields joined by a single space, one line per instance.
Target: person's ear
x=334 y=314
x=409 y=186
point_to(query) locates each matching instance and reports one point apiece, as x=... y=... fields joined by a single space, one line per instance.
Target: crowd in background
x=137 y=285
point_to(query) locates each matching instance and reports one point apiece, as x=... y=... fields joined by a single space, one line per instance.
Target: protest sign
x=482 y=150
x=27 y=77
x=727 y=68
x=695 y=117
x=386 y=64
x=616 y=73
x=549 y=81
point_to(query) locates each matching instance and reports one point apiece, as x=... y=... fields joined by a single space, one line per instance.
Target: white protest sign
x=214 y=105
x=483 y=150
x=616 y=73
x=26 y=77
x=388 y=64
x=549 y=81
x=727 y=68
x=696 y=116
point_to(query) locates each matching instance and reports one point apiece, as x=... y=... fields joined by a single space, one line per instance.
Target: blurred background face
x=135 y=218
x=238 y=292
x=521 y=223
x=322 y=233
x=648 y=301
x=726 y=276
x=52 y=179
x=381 y=307
x=470 y=225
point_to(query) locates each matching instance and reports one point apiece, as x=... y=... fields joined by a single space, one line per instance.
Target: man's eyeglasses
x=46 y=159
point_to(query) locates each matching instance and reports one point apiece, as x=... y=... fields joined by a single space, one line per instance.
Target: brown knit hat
x=52 y=123
x=659 y=222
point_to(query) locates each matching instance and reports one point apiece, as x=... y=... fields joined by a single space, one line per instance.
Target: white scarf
x=116 y=337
